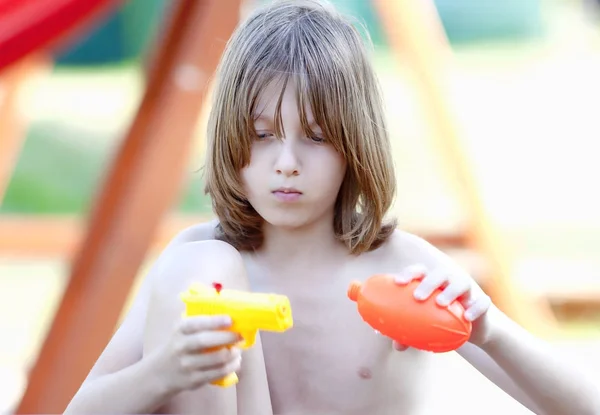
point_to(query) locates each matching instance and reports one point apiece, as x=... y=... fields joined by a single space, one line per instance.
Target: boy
x=300 y=173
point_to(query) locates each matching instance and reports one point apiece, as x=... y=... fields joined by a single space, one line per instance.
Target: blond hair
x=328 y=59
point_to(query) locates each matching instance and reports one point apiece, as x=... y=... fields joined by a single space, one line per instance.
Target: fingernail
x=401 y=280
x=225 y=320
x=419 y=295
x=469 y=315
x=443 y=301
x=416 y=270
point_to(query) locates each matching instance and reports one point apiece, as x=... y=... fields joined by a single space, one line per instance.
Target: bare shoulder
x=406 y=249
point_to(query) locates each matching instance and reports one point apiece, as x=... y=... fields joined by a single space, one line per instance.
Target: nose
x=287 y=162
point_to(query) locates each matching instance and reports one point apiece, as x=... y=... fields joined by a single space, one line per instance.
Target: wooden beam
x=61 y=236
x=416 y=35
x=141 y=187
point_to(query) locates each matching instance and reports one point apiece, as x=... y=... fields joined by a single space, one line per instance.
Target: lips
x=287 y=190
x=287 y=194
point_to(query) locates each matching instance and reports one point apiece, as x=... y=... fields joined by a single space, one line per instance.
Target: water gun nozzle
x=353 y=290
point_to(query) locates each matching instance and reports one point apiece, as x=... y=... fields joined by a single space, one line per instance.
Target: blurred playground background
x=524 y=88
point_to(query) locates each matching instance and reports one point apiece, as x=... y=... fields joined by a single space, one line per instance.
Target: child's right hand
x=186 y=362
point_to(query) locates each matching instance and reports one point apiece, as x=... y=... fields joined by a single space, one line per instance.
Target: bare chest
x=332 y=362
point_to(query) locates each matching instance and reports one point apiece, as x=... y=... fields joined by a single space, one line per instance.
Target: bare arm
x=134 y=389
x=532 y=372
x=525 y=367
x=481 y=361
x=121 y=381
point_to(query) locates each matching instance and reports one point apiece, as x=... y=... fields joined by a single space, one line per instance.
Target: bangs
x=323 y=82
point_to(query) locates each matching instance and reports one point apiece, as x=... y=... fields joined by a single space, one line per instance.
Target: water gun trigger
x=248 y=339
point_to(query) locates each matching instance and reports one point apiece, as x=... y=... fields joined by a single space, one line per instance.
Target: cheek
x=335 y=168
x=251 y=177
x=246 y=176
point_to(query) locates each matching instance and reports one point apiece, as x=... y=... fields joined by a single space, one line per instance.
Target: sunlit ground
x=528 y=115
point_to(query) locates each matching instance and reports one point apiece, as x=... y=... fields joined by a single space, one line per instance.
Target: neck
x=308 y=242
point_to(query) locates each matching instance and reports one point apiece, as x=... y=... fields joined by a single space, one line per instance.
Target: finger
x=400 y=347
x=195 y=324
x=431 y=282
x=413 y=272
x=210 y=360
x=209 y=340
x=469 y=298
x=453 y=291
x=480 y=306
x=205 y=376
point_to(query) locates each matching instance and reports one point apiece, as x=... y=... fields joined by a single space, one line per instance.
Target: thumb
x=400 y=347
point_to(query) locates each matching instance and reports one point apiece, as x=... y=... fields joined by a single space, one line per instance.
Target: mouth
x=287 y=190
x=287 y=194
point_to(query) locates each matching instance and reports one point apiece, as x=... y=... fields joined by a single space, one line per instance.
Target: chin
x=288 y=223
x=285 y=220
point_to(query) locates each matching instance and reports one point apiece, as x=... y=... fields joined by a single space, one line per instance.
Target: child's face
x=294 y=181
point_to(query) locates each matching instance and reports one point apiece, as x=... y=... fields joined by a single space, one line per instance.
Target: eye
x=263 y=136
x=317 y=139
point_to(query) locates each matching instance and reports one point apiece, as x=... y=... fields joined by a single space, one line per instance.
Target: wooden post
x=415 y=32
x=141 y=187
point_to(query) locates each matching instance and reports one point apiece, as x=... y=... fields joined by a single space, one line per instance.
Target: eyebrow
x=261 y=117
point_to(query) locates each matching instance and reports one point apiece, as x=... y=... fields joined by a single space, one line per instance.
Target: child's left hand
x=459 y=287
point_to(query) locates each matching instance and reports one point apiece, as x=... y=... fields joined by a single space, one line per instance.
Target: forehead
x=281 y=95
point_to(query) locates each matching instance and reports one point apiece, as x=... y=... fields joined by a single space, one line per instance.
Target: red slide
x=28 y=26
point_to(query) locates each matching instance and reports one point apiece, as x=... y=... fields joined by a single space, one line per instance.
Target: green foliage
x=52 y=175
x=60 y=170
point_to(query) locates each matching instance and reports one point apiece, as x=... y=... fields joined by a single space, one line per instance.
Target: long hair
x=325 y=54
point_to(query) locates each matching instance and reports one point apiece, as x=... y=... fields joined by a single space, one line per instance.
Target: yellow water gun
x=249 y=312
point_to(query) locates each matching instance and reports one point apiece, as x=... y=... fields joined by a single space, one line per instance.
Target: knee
x=204 y=262
x=180 y=266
